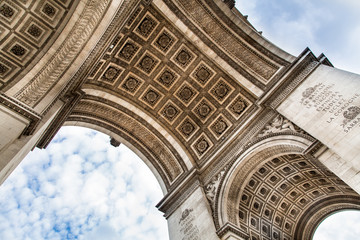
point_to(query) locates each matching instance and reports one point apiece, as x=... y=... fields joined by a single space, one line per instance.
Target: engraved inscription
x=325 y=98
x=188 y=229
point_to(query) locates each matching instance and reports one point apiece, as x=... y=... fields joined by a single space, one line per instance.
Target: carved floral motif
x=185 y=214
x=212 y=187
x=6 y=11
x=351 y=112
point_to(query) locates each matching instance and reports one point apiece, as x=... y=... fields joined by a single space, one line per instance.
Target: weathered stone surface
x=246 y=140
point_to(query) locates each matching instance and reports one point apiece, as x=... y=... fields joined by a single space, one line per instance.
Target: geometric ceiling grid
x=153 y=66
x=280 y=192
x=26 y=27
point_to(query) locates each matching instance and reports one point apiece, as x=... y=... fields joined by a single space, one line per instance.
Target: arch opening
x=343 y=224
x=81 y=187
x=280 y=193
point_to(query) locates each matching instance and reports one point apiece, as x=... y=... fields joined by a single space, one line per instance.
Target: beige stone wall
x=193 y=220
x=327 y=106
x=14 y=146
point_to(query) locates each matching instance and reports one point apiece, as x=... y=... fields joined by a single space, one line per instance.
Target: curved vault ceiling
x=278 y=197
x=151 y=65
x=27 y=29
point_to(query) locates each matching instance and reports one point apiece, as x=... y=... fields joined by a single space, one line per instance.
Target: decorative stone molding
x=113 y=114
x=230 y=3
x=185 y=214
x=212 y=187
x=33 y=92
x=259 y=66
x=24 y=111
x=246 y=167
x=70 y=99
x=231 y=228
x=178 y=195
x=278 y=125
x=302 y=67
x=307 y=227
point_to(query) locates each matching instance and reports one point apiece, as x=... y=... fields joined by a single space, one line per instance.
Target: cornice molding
x=24 y=111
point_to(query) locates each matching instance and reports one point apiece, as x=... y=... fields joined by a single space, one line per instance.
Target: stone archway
x=279 y=193
x=192 y=85
x=81 y=186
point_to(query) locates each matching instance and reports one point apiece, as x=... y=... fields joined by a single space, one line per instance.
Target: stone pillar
x=191 y=218
x=327 y=106
x=20 y=130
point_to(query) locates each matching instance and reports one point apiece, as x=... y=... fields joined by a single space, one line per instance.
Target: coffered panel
x=152 y=65
x=280 y=191
x=27 y=29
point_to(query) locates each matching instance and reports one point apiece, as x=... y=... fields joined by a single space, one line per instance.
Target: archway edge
x=126 y=143
x=146 y=117
x=307 y=230
x=243 y=167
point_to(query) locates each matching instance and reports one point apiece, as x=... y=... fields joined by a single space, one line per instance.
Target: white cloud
x=340 y=226
x=326 y=26
x=80 y=187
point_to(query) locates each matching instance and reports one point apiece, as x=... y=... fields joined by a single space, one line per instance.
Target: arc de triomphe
x=246 y=140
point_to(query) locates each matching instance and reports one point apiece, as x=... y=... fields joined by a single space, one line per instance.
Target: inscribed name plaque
x=327 y=106
x=188 y=228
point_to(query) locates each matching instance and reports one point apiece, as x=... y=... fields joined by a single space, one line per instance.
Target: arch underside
x=27 y=30
x=199 y=88
x=180 y=82
x=280 y=193
x=129 y=127
x=167 y=72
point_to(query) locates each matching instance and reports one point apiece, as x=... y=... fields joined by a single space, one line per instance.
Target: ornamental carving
x=131 y=84
x=65 y=55
x=34 y=31
x=260 y=67
x=18 y=50
x=147 y=63
x=186 y=93
x=238 y=106
x=49 y=10
x=203 y=110
x=6 y=11
x=168 y=78
x=128 y=51
x=203 y=74
x=185 y=214
x=352 y=112
x=111 y=74
x=277 y=196
x=146 y=26
x=277 y=125
x=164 y=41
x=3 y=69
x=170 y=111
x=212 y=187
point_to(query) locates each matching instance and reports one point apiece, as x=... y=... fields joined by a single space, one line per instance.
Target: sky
x=331 y=27
x=81 y=187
